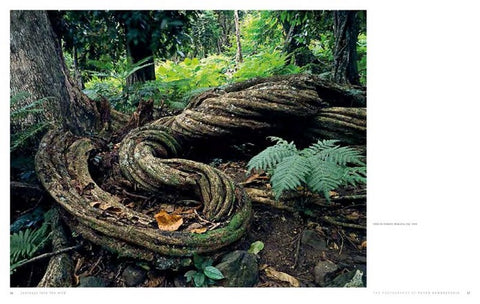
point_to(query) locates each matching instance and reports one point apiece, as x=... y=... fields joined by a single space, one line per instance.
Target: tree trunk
x=137 y=50
x=37 y=67
x=227 y=26
x=300 y=52
x=136 y=53
x=345 y=30
x=238 y=57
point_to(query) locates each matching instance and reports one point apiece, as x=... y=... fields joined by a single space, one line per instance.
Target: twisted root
x=148 y=159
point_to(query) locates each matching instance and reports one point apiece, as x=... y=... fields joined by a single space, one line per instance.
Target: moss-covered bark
x=148 y=158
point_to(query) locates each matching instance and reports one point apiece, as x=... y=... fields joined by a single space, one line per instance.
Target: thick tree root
x=63 y=170
x=145 y=159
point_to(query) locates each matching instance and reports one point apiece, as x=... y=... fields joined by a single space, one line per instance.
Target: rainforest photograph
x=188 y=148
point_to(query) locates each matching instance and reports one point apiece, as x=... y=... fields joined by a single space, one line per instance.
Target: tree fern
x=20 y=138
x=327 y=150
x=325 y=176
x=271 y=156
x=289 y=174
x=322 y=167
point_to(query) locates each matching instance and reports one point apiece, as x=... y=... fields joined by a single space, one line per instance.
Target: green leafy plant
x=256 y=247
x=322 y=167
x=21 y=138
x=205 y=274
x=25 y=243
x=265 y=64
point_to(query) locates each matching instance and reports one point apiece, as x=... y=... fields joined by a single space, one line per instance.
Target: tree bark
x=345 y=31
x=37 y=67
x=238 y=57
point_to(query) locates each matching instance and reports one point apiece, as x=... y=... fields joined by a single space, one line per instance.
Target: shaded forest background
x=170 y=56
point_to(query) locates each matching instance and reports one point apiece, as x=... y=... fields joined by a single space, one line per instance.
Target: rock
x=322 y=269
x=356 y=281
x=349 y=279
x=134 y=275
x=92 y=281
x=239 y=268
x=312 y=239
x=167 y=263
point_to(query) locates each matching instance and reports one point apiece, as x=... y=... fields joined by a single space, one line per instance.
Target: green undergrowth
x=322 y=167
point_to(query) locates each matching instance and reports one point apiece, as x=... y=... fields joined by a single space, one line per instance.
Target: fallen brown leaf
x=333 y=194
x=281 y=276
x=199 y=230
x=168 y=222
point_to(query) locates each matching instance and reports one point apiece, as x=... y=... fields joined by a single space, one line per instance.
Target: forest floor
x=298 y=243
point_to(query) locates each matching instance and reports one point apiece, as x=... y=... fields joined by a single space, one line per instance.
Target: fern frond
x=289 y=174
x=325 y=176
x=273 y=155
x=27 y=109
x=19 y=139
x=25 y=243
x=355 y=175
x=320 y=145
x=337 y=154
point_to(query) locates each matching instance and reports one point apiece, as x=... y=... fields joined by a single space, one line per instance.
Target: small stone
x=349 y=279
x=356 y=281
x=312 y=239
x=92 y=281
x=322 y=269
x=239 y=268
x=134 y=275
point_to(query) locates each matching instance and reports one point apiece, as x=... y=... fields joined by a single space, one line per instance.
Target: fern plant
x=19 y=139
x=25 y=243
x=322 y=167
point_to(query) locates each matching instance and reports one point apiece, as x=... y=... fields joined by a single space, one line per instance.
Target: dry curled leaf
x=281 y=276
x=199 y=230
x=363 y=245
x=168 y=222
x=333 y=194
x=196 y=228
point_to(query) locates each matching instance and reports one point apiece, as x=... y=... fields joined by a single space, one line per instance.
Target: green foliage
x=205 y=274
x=25 y=243
x=362 y=58
x=181 y=81
x=264 y=65
x=109 y=81
x=21 y=138
x=322 y=167
x=259 y=33
x=256 y=247
x=271 y=156
x=205 y=34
